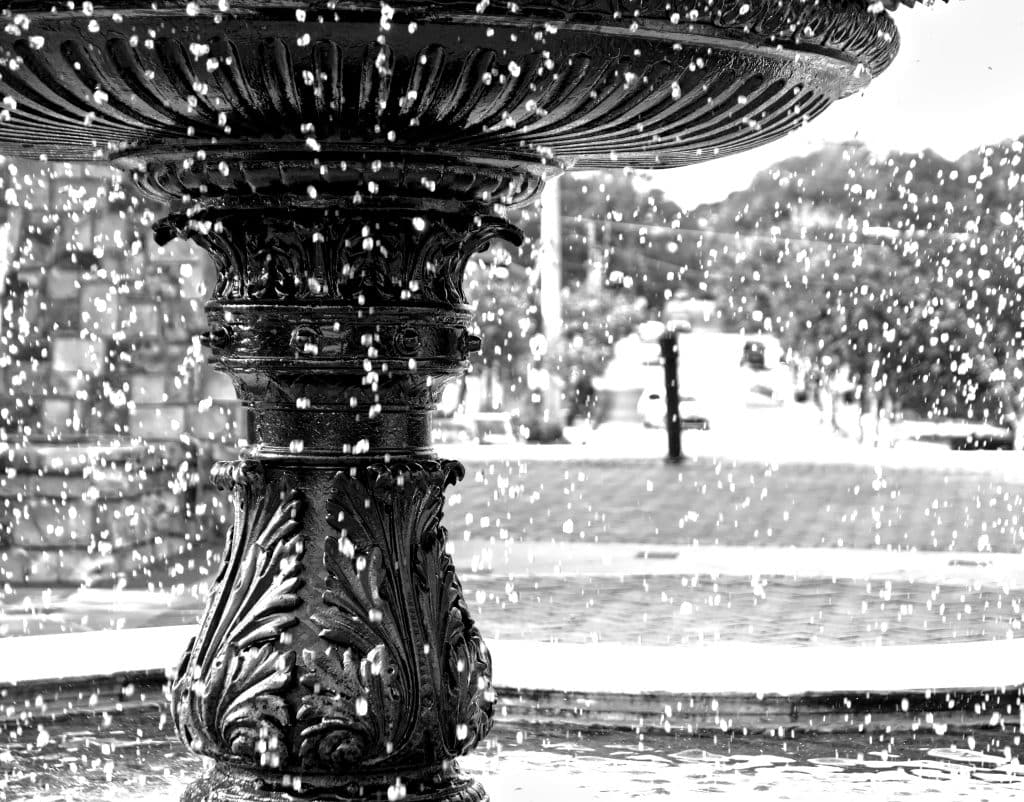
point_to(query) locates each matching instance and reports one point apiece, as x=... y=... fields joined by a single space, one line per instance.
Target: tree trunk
x=868 y=423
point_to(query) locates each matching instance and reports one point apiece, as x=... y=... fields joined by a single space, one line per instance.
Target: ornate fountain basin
x=449 y=100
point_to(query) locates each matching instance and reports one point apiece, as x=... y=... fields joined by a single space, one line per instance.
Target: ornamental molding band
x=342 y=161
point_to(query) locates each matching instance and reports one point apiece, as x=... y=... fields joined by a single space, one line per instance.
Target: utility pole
x=549 y=260
x=547 y=424
x=595 y=257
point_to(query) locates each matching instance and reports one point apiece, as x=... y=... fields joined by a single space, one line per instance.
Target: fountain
x=342 y=160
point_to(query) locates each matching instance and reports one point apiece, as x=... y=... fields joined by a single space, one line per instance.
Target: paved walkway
x=654 y=610
x=710 y=502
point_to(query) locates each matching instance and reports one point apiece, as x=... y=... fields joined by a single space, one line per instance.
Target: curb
x=946 y=687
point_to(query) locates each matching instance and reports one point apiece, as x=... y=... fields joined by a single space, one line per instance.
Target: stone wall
x=106 y=411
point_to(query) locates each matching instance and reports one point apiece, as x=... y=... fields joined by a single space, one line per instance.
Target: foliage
x=594 y=320
x=905 y=269
x=501 y=291
x=635 y=226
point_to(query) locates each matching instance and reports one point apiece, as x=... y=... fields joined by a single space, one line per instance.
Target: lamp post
x=669 y=342
x=342 y=161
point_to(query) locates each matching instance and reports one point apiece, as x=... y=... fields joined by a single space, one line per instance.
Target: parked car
x=753 y=356
x=494 y=428
x=763 y=395
x=652 y=410
x=960 y=434
x=452 y=429
x=486 y=428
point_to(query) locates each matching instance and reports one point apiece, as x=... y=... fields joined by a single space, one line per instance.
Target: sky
x=957 y=83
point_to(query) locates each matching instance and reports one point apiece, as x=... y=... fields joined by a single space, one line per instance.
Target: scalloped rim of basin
x=822 y=57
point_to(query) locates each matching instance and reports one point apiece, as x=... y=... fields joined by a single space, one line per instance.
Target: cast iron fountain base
x=337 y=651
x=341 y=162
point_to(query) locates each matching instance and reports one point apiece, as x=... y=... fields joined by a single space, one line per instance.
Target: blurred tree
x=640 y=238
x=500 y=289
x=594 y=321
x=906 y=271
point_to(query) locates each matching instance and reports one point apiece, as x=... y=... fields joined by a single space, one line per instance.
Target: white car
x=651 y=409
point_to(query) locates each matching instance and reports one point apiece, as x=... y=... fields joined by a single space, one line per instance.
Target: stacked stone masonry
x=107 y=414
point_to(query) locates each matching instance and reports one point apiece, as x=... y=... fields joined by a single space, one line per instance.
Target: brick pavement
x=779 y=610
x=709 y=502
x=662 y=610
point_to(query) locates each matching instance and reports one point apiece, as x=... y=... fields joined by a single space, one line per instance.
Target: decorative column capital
x=340 y=326
x=362 y=258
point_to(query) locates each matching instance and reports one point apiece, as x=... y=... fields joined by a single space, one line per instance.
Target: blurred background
x=847 y=310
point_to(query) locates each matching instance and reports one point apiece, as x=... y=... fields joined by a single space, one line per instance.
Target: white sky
x=957 y=83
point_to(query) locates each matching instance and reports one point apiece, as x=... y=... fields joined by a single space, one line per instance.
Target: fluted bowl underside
x=223 y=102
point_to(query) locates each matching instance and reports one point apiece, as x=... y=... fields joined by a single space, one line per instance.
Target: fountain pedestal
x=337 y=654
x=341 y=162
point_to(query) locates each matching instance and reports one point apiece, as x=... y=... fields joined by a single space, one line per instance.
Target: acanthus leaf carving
x=252 y=716
x=404 y=673
x=338 y=730
x=230 y=696
x=464 y=666
x=359 y=687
